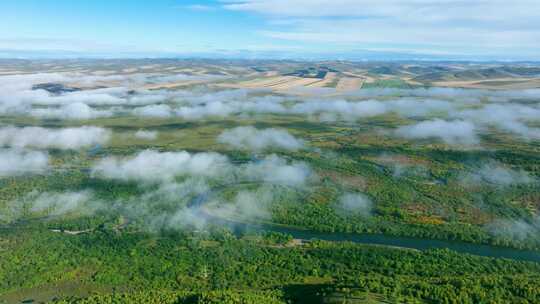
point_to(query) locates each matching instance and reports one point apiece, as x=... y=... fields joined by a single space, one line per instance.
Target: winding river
x=240 y=228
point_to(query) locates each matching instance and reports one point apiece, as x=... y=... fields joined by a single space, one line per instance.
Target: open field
x=497 y=83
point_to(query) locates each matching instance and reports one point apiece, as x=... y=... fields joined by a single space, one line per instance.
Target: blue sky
x=300 y=29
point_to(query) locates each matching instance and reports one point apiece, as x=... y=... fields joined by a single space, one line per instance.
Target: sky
x=280 y=29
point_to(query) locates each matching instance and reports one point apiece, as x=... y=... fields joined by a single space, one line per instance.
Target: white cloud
x=214 y=108
x=50 y=204
x=516 y=229
x=199 y=7
x=408 y=107
x=18 y=97
x=426 y=9
x=152 y=166
x=147 y=135
x=76 y=110
x=20 y=162
x=167 y=206
x=469 y=95
x=460 y=27
x=451 y=132
x=401 y=165
x=346 y=109
x=247 y=205
x=355 y=203
x=161 y=111
x=274 y=169
x=66 y=138
x=58 y=203
x=107 y=96
x=507 y=117
x=497 y=174
x=254 y=139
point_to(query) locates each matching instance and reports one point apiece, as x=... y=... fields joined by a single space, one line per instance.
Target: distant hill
x=311 y=72
x=478 y=74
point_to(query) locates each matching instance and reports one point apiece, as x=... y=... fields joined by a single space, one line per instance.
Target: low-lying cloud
x=146 y=135
x=273 y=169
x=356 y=204
x=53 y=203
x=510 y=118
x=43 y=138
x=251 y=138
x=152 y=166
x=50 y=204
x=160 y=111
x=497 y=174
x=401 y=165
x=246 y=205
x=451 y=132
x=15 y=162
x=72 y=111
x=465 y=111
x=516 y=229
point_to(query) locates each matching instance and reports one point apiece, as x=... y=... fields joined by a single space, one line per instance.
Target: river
x=240 y=228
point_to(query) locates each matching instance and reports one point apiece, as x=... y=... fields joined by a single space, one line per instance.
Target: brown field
x=350 y=84
x=500 y=83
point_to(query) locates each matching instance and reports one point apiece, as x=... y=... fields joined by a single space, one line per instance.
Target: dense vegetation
x=200 y=268
x=426 y=199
